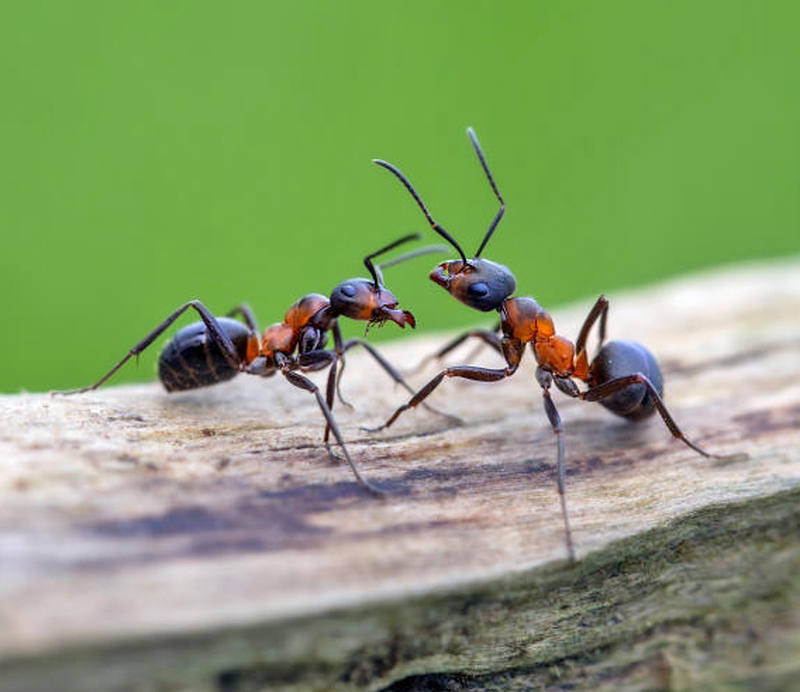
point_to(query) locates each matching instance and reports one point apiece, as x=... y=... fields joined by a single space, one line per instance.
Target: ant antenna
x=476 y=144
x=377 y=277
x=427 y=250
x=435 y=226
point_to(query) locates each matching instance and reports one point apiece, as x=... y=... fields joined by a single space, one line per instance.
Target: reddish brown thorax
x=523 y=319
x=278 y=338
x=282 y=337
x=300 y=314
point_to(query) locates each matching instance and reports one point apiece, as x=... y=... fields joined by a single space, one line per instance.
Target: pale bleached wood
x=130 y=514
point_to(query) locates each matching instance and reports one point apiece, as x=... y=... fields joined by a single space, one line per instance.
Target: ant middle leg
x=339 y=347
x=303 y=382
x=247 y=314
x=215 y=331
x=318 y=360
x=601 y=391
x=555 y=423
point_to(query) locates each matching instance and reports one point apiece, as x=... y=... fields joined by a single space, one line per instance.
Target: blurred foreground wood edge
x=202 y=541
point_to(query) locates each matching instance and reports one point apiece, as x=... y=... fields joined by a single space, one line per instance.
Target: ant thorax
x=297 y=329
x=278 y=338
x=304 y=310
x=523 y=319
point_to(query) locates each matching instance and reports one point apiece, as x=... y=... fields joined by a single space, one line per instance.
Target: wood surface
x=203 y=540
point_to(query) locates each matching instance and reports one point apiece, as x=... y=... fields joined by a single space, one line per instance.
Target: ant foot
x=730 y=458
x=333 y=456
x=377 y=428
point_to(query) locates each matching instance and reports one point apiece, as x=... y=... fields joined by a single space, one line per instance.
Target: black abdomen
x=192 y=359
x=619 y=359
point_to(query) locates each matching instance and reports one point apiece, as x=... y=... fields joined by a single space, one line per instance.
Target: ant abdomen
x=621 y=359
x=192 y=358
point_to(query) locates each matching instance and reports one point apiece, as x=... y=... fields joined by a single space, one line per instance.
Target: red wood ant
x=623 y=376
x=216 y=349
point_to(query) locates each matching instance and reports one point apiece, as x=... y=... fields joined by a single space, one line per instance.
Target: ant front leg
x=215 y=331
x=303 y=382
x=490 y=337
x=545 y=379
x=468 y=372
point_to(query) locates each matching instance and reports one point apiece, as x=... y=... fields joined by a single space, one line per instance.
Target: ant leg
x=496 y=331
x=317 y=360
x=491 y=338
x=558 y=429
x=247 y=314
x=468 y=372
x=396 y=376
x=601 y=391
x=340 y=348
x=302 y=382
x=600 y=310
x=217 y=334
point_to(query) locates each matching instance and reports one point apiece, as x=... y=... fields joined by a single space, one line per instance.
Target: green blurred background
x=156 y=152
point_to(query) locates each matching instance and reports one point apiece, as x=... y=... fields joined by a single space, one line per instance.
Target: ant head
x=362 y=299
x=369 y=300
x=479 y=283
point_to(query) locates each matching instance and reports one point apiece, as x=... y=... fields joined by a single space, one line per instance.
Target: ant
x=623 y=376
x=216 y=349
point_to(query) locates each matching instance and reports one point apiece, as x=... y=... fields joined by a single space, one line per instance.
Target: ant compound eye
x=348 y=289
x=478 y=290
x=482 y=285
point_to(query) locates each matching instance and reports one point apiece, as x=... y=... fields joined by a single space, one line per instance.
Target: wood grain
x=128 y=515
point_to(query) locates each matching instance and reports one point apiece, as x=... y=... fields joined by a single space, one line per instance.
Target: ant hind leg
x=606 y=389
x=216 y=332
x=600 y=309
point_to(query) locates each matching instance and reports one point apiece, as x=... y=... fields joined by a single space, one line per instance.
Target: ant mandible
x=623 y=376
x=216 y=349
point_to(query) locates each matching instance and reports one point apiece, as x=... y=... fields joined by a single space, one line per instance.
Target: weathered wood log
x=203 y=540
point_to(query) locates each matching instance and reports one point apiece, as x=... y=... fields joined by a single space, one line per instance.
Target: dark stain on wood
x=769 y=421
x=247 y=526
